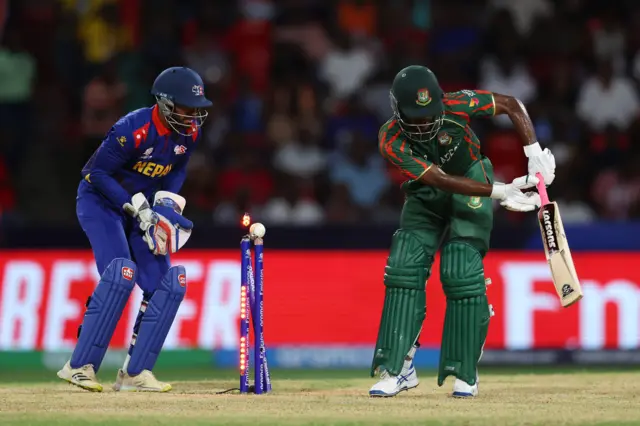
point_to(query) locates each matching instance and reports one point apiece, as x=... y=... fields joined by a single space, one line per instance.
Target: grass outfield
x=577 y=397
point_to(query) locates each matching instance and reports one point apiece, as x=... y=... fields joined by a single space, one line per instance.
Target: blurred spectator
x=507 y=73
x=247 y=110
x=102 y=107
x=609 y=42
x=207 y=58
x=101 y=31
x=301 y=157
x=574 y=209
x=524 y=12
x=362 y=170
x=294 y=204
x=300 y=89
x=607 y=99
x=340 y=207
x=346 y=67
x=247 y=175
x=617 y=191
x=358 y=17
x=17 y=82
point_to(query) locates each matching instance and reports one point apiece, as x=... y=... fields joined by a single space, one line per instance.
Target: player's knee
x=174 y=281
x=121 y=272
x=461 y=271
x=408 y=264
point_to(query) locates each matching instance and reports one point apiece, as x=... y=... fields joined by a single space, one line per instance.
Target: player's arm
x=395 y=150
x=114 y=152
x=539 y=161
x=519 y=116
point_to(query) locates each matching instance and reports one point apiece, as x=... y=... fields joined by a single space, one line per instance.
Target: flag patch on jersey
x=444 y=138
x=180 y=149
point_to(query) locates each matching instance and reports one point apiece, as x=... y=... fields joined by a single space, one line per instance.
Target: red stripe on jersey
x=458 y=113
x=470 y=142
x=483 y=108
x=453 y=102
x=389 y=149
x=473 y=156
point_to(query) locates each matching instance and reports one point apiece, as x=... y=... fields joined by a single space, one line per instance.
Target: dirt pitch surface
x=550 y=399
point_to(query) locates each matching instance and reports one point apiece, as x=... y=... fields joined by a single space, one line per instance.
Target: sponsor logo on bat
x=549 y=230
x=566 y=290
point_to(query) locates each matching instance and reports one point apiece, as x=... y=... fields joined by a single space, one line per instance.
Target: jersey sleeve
x=116 y=149
x=470 y=103
x=395 y=149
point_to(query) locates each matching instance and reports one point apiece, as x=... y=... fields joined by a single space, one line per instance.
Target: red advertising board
x=325 y=297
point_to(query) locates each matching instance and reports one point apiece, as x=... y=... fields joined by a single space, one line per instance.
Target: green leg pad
x=467 y=317
x=405 y=302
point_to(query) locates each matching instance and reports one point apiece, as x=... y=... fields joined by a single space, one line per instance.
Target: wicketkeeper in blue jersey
x=129 y=207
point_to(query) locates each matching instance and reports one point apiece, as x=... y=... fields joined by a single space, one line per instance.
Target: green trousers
x=460 y=226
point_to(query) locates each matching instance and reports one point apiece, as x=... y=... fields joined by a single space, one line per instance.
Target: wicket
x=251 y=305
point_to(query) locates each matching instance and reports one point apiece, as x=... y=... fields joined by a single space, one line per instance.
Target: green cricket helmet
x=416 y=100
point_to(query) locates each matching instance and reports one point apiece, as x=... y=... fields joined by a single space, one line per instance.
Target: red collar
x=157 y=121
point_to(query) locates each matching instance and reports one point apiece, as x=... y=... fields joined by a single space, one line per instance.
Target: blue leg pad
x=157 y=320
x=104 y=309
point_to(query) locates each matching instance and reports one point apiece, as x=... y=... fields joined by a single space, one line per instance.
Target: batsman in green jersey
x=448 y=207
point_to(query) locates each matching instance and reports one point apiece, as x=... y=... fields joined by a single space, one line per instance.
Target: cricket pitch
x=527 y=399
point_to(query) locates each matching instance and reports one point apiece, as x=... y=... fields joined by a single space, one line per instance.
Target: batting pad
x=466 y=320
x=405 y=302
x=157 y=320
x=104 y=309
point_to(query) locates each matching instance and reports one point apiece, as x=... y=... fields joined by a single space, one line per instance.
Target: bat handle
x=542 y=190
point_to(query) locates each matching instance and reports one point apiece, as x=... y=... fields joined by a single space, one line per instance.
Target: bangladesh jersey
x=455 y=147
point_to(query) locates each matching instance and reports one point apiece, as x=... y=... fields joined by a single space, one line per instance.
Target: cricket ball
x=257 y=230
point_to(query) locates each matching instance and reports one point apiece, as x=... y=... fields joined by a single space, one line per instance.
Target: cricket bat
x=556 y=249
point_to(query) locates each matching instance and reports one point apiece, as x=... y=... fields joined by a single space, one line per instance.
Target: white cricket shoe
x=392 y=385
x=83 y=377
x=143 y=382
x=462 y=389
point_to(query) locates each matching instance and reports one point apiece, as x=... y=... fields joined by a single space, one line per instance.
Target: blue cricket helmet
x=181 y=87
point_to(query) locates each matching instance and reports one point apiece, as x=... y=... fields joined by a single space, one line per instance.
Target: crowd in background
x=300 y=89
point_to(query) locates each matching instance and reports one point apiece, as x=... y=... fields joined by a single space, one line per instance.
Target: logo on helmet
x=197 y=90
x=423 y=97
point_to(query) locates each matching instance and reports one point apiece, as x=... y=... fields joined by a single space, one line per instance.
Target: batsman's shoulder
x=389 y=135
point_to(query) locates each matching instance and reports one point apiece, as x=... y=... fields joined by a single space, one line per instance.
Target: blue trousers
x=114 y=234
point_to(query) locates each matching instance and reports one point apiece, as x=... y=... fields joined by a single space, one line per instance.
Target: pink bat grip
x=542 y=190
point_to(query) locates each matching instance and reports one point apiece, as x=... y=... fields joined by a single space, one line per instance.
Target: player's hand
x=176 y=219
x=542 y=162
x=522 y=202
x=140 y=209
x=502 y=191
x=511 y=196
